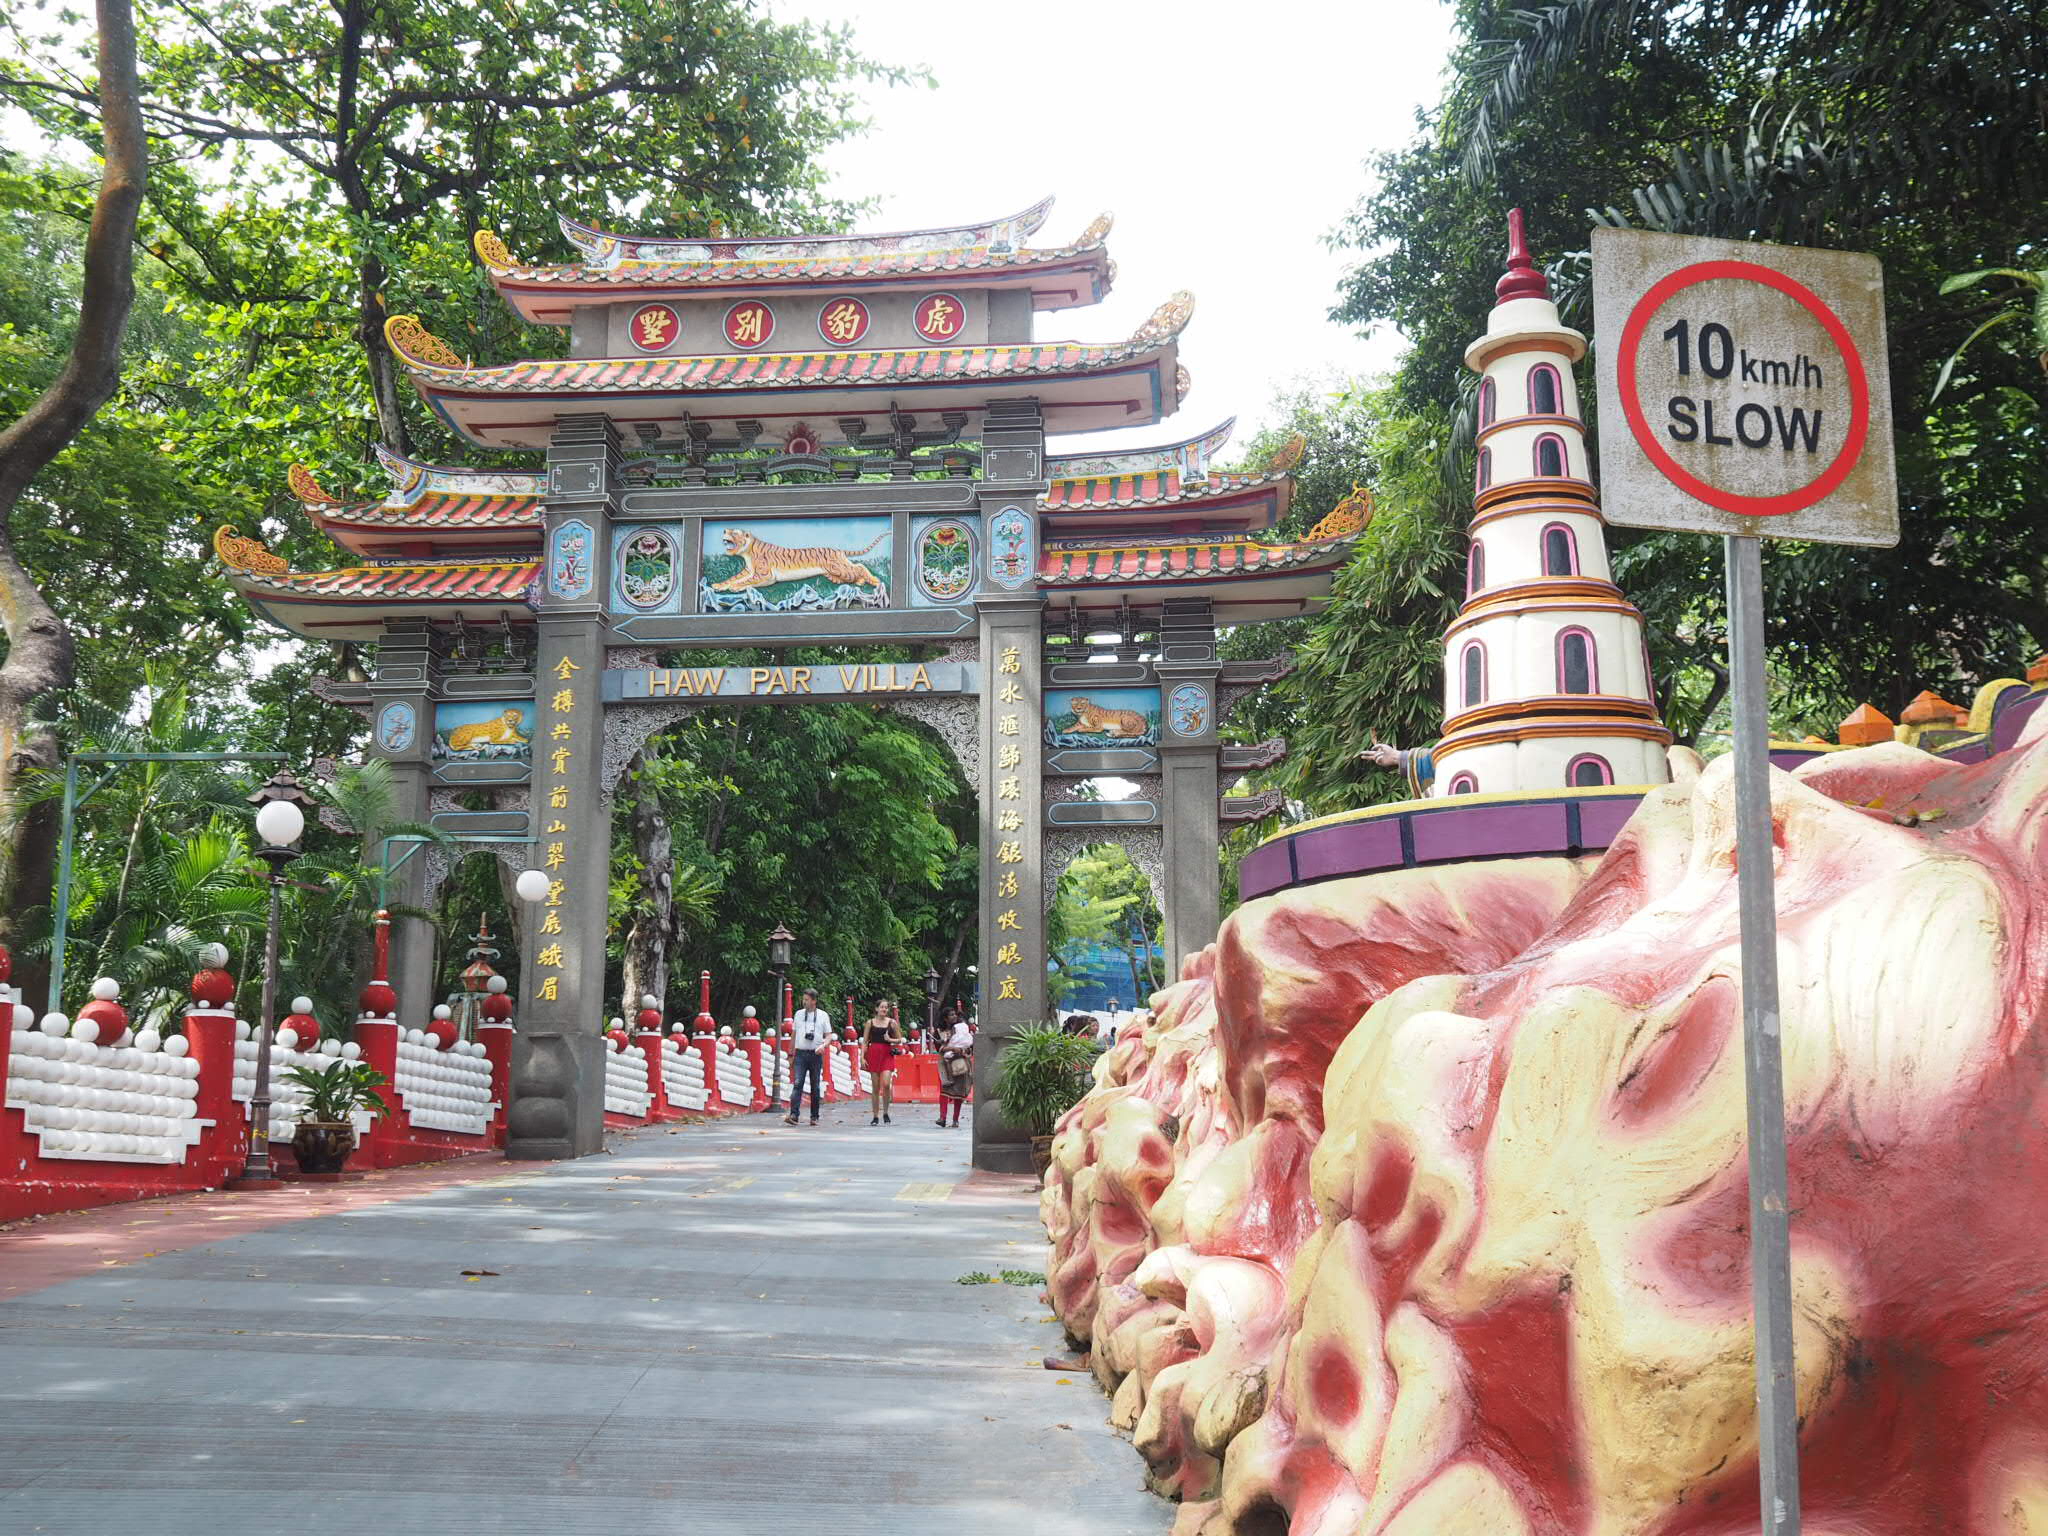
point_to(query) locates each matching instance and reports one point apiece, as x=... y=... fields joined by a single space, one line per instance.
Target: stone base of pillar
x=557 y=1108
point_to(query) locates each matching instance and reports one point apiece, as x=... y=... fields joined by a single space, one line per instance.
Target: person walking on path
x=879 y=1056
x=956 y=1067
x=808 y=1031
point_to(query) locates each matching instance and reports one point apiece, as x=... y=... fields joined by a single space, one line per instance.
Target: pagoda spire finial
x=1523 y=278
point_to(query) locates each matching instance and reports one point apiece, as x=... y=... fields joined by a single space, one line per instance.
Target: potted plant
x=326 y=1132
x=1042 y=1073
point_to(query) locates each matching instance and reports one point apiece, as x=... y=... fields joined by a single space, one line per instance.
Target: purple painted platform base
x=1414 y=833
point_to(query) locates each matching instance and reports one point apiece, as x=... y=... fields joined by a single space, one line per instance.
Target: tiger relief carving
x=765 y=564
x=1090 y=719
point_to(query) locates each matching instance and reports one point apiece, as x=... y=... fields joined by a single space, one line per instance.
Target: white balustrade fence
x=735 y=1075
x=682 y=1076
x=444 y=1090
x=287 y=1099
x=839 y=1070
x=101 y=1103
x=625 y=1080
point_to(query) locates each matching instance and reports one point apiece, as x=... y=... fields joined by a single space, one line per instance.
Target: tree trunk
x=1139 y=991
x=384 y=385
x=41 y=658
x=952 y=965
x=646 y=963
x=1152 y=965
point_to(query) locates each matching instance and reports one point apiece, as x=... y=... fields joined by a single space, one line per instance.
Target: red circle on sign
x=653 y=327
x=939 y=316
x=749 y=324
x=843 y=321
x=1677 y=474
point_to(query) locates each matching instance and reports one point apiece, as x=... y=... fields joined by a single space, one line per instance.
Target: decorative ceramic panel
x=843 y=322
x=647 y=568
x=398 y=727
x=749 y=324
x=570 y=550
x=795 y=564
x=1188 y=712
x=1010 y=555
x=483 y=731
x=1102 y=717
x=942 y=567
x=939 y=317
x=653 y=327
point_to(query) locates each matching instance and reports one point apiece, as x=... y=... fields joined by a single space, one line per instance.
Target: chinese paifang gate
x=819 y=440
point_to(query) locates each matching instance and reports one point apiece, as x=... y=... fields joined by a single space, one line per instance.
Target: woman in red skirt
x=881 y=1038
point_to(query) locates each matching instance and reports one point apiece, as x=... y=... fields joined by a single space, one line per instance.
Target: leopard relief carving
x=1090 y=719
x=502 y=732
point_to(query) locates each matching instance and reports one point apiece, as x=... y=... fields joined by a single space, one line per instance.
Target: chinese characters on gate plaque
x=549 y=960
x=1009 y=817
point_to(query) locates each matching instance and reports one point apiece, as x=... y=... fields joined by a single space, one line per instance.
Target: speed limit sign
x=1743 y=389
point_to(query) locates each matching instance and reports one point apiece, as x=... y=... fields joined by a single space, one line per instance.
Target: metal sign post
x=1770 y=1212
x=1745 y=392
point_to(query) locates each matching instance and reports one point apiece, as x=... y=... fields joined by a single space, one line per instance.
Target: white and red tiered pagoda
x=1551 y=728
x=1546 y=676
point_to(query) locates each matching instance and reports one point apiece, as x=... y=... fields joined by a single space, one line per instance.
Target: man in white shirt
x=808 y=1031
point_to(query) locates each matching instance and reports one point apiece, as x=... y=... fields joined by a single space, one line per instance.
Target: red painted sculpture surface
x=1418 y=1208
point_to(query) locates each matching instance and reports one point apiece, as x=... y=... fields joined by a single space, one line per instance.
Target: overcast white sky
x=1227 y=140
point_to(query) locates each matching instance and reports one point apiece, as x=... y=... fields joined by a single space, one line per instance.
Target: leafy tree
x=419 y=121
x=41 y=656
x=1103 y=899
x=1843 y=124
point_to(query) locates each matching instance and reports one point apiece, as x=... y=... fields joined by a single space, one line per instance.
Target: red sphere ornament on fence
x=380 y=999
x=213 y=987
x=6 y=965
x=649 y=1017
x=497 y=1008
x=301 y=1022
x=442 y=1028
x=105 y=1010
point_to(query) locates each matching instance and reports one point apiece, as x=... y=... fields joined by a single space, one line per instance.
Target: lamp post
x=931 y=1006
x=280 y=820
x=781 y=945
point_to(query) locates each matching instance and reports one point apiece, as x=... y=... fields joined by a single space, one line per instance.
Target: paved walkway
x=726 y=1329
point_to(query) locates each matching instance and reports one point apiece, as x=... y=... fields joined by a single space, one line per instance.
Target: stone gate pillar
x=401 y=734
x=1012 y=755
x=1188 y=670
x=557 y=1078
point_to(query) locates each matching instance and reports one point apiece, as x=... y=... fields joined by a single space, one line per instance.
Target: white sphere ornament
x=649 y=1000
x=279 y=823
x=177 y=1046
x=350 y=1050
x=415 y=1036
x=531 y=885
x=330 y=1047
x=747 y=1012
x=213 y=956
x=287 y=1039
x=441 y=1010
x=618 y=1023
x=56 y=1024
x=106 y=989
x=302 y=1005
x=242 y=1030
x=149 y=1042
x=24 y=1016
x=495 y=985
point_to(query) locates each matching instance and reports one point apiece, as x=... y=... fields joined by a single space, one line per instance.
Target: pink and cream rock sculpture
x=1418 y=1206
